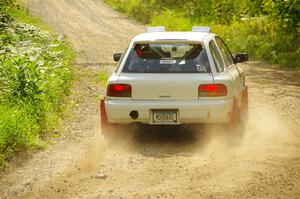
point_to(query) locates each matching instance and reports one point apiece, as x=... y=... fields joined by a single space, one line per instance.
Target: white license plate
x=165 y=117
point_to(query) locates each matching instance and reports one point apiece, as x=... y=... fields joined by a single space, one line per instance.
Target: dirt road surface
x=156 y=163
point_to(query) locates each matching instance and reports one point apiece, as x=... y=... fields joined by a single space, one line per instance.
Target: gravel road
x=156 y=163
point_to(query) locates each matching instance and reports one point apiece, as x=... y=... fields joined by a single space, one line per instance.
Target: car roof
x=155 y=36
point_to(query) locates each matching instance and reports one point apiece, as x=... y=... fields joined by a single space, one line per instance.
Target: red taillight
x=212 y=90
x=119 y=90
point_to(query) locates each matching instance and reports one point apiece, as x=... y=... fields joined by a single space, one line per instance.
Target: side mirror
x=240 y=57
x=117 y=56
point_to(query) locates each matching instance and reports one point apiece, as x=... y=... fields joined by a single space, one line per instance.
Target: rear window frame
x=132 y=47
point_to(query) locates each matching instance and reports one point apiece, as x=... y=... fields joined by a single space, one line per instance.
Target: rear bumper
x=189 y=112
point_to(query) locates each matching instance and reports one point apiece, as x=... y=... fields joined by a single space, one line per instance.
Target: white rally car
x=174 y=78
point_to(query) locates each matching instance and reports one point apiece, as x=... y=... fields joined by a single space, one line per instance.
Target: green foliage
x=263 y=40
x=139 y=9
x=18 y=129
x=35 y=72
x=168 y=16
x=103 y=77
x=5 y=7
x=269 y=30
x=286 y=12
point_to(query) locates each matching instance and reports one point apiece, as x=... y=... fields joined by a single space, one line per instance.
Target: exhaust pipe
x=134 y=115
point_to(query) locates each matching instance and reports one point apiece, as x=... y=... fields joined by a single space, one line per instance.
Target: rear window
x=167 y=58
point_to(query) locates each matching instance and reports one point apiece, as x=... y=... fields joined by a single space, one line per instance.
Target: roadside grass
x=103 y=77
x=263 y=37
x=35 y=75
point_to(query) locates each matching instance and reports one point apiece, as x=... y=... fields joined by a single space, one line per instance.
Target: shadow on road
x=163 y=142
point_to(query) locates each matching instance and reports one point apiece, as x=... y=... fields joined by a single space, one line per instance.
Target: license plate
x=164 y=117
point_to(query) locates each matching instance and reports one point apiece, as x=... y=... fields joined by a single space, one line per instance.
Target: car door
x=230 y=67
x=222 y=75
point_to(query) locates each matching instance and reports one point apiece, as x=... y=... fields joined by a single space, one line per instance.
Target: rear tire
x=234 y=115
x=106 y=127
x=237 y=124
x=245 y=105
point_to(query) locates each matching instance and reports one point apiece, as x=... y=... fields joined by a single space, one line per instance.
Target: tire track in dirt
x=158 y=163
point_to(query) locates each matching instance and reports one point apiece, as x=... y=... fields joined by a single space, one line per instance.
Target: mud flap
x=234 y=115
x=245 y=105
x=104 y=122
x=239 y=117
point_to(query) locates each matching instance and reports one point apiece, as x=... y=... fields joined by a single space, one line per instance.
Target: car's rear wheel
x=109 y=130
x=239 y=116
x=106 y=127
x=243 y=113
x=234 y=115
x=245 y=106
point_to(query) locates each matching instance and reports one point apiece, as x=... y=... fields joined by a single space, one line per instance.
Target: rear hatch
x=166 y=70
x=165 y=86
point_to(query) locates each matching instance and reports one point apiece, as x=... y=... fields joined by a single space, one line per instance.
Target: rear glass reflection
x=167 y=58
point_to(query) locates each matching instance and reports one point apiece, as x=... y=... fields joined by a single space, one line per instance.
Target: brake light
x=212 y=90
x=119 y=90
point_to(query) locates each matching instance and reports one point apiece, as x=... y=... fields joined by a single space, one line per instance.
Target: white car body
x=178 y=92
